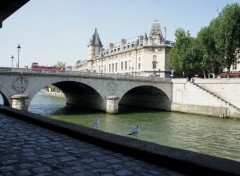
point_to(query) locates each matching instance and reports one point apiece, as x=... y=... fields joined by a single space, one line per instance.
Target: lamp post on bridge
x=12 y=58
x=18 y=48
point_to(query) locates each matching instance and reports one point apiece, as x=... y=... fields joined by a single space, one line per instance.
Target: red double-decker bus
x=36 y=66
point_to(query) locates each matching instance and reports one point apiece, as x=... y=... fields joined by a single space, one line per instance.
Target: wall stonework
x=207 y=96
x=226 y=88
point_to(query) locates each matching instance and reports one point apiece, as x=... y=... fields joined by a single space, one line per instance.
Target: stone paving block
x=23 y=173
x=104 y=157
x=124 y=172
x=67 y=158
x=42 y=169
x=7 y=169
x=113 y=161
x=99 y=164
x=115 y=166
x=26 y=166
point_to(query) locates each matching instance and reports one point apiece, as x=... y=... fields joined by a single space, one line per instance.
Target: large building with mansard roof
x=144 y=55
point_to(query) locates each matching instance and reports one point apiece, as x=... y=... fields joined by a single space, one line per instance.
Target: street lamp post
x=172 y=73
x=12 y=60
x=18 y=48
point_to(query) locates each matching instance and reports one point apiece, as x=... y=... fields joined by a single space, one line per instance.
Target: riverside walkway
x=27 y=149
x=31 y=144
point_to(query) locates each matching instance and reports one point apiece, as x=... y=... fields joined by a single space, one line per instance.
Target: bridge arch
x=5 y=96
x=6 y=101
x=77 y=94
x=146 y=96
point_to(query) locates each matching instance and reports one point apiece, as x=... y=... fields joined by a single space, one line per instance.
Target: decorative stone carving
x=20 y=84
x=111 y=88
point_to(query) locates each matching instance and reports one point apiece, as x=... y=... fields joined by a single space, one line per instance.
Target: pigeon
x=135 y=131
x=95 y=123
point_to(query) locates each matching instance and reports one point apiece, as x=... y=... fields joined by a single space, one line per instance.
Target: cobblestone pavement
x=27 y=149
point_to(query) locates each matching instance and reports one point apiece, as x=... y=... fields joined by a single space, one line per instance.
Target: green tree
x=60 y=64
x=227 y=33
x=209 y=61
x=184 y=53
x=214 y=47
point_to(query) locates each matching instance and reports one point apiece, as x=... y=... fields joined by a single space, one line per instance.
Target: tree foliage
x=206 y=42
x=213 y=48
x=227 y=33
x=60 y=64
x=184 y=56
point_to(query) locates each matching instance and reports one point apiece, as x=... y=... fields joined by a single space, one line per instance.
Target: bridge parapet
x=125 y=77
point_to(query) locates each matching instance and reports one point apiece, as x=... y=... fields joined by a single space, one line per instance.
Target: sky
x=49 y=31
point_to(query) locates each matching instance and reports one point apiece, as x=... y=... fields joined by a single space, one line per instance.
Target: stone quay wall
x=214 y=97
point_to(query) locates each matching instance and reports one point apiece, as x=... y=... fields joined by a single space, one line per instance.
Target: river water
x=203 y=134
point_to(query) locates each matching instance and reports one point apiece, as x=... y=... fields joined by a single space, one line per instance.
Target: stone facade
x=139 y=56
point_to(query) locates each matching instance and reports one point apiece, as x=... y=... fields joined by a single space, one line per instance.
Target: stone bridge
x=102 y=92
x=105 y=92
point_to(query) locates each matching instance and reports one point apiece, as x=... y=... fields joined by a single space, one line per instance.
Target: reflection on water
x=209 y=135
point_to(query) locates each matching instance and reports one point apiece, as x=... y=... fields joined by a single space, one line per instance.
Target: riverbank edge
x=184 y=161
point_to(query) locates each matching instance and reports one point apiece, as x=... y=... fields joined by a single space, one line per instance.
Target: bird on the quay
x=135 y=131
x=95 y=123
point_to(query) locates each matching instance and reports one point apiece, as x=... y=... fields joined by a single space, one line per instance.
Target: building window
x=116 y=67
x=139 y=66
x=121 y=65
x=154 y=57
x=109 y=68
x=125 y=65
x=234 y=66
x=154 y=64
x=112 y=67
